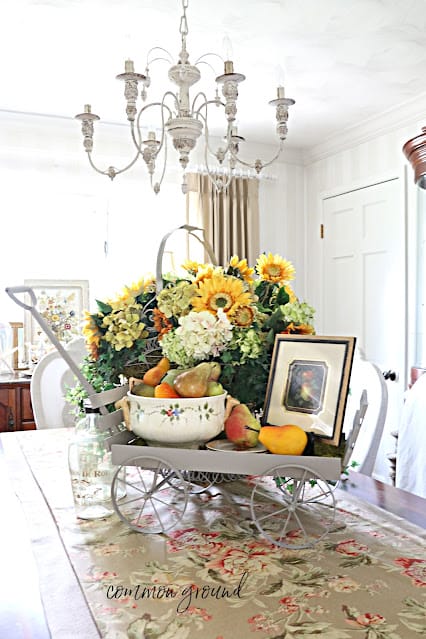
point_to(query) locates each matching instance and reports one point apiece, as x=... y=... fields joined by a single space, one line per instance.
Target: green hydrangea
x=175 y=301
x=248 y=342
x=298 y=313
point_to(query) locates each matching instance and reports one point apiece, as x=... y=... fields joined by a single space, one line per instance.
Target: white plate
x=227 y=446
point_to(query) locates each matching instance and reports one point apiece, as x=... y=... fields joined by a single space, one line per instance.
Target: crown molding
x=402 y=115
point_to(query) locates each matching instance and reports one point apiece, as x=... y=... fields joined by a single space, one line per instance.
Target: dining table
x=214 y=575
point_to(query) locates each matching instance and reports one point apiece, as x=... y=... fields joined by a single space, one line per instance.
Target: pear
x=170 y=376
x=143 y=390
x=241 y=428
x=214 y=388
x=288 y=439
x=193 y=383
x=215 y=372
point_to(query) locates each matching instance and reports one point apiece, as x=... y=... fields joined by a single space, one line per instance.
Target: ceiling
x=344 y=61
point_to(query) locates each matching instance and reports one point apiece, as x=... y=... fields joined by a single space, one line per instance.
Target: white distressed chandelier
x=183 y=120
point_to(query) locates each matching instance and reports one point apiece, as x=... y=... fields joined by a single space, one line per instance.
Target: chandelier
x=183 y=120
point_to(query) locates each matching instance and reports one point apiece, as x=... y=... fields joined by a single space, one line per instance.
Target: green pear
x=143 y=390
x=241 y=428
x=172 y=373
x=214 y=388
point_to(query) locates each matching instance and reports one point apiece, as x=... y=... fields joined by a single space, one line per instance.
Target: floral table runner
x=215 y=576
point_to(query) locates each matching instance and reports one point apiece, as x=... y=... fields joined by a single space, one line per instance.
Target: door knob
x=390 y=375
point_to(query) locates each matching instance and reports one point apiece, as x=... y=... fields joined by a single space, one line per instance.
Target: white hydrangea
x=199 y=336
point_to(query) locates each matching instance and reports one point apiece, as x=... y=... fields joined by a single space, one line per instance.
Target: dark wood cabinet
x=15 y=405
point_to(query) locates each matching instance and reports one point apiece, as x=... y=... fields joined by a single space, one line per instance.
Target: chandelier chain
x=183 y=29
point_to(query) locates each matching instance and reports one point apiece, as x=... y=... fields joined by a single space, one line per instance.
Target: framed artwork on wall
x=62 y=304
x=308 y=384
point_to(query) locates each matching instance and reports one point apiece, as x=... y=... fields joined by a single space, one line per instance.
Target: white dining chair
x=49 y=383
x=366 y=378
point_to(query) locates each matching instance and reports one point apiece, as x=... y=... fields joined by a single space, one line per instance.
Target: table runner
x=214 y=576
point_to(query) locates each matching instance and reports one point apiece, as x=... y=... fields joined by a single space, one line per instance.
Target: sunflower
x=300 y=329
x=137 y=288
x=92 y=334
x=274 y=268
x=243 y=316
x=242 y=267
x=161 y=323
x=291 y=294
x=192 y=267
x=221 y=292
x=207 y=271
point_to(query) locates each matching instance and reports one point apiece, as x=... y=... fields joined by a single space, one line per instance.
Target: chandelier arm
x=216 y=55
x=169 y=59
x=217 y=102
x=165 y=159
x=219 y=185
x=256 y=166
x=138 y=124
x=226 y=149
x=133 y=131
x=205 y=103
x=111 y=172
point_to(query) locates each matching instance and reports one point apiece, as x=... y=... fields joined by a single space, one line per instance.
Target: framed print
x=308 y=383
x=62 y=304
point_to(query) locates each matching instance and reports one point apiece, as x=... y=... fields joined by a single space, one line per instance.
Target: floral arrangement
x=229 y=314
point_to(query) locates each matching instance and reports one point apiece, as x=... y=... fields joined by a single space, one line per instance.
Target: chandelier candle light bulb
x=185 y=120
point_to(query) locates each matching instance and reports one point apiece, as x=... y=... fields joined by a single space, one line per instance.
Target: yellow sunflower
x=292 y=295
x=301 y=329
x=243 y=316
x=206 y=272
x=274 y=268
x=92 y=335
x=221 y=292
x=242 y=266
x=192 y=267
x=137 y=288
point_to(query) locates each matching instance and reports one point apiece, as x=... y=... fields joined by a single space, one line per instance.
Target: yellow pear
x=284 y=440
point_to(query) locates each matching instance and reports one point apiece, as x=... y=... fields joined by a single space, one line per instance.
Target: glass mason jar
x=90 y=468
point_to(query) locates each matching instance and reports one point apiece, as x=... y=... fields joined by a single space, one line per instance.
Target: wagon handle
x=190 y=229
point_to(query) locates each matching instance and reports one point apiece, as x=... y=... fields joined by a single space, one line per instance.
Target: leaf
x=104 y=308
x=283 y=297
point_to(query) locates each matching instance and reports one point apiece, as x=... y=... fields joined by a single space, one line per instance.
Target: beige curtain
x=230 y=218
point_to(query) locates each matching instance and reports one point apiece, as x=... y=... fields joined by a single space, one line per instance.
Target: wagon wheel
x=293 y=513
x=150 y=504
x=198 y=481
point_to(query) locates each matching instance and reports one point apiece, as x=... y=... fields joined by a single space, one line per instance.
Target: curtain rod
x=239 y=173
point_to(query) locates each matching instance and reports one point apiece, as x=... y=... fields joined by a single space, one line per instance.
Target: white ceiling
x=344 y=61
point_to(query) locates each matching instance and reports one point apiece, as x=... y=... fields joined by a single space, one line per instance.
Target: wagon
x=285 y=491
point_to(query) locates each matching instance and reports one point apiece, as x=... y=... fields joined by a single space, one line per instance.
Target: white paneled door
x=364 y=285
